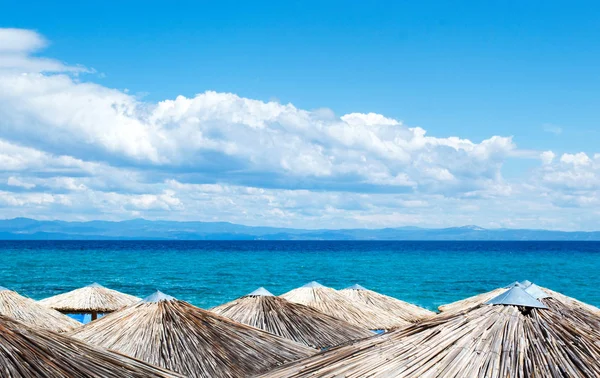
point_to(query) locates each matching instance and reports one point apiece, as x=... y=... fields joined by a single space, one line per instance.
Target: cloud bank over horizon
x=75 y=150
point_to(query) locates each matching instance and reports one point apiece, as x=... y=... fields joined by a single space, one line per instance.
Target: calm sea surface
x=209 y=273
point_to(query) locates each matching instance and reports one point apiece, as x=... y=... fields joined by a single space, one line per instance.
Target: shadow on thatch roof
x=293 y=321
x=30 y=312
x=483 y=341
x=331 y=302
x=173 y=334
x=91 y=298
x=536 y=291
x=36 y=353
x=404 y=311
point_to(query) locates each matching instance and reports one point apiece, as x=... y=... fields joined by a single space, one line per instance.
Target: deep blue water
x=209 y=273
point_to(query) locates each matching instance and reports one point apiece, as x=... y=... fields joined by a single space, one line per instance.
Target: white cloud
x=16 y=47
x=572 y=181
x=20 y=40
x=547 y=157
x=226 y=134
x=71 y=148
x=578 y=159
x=13 y=181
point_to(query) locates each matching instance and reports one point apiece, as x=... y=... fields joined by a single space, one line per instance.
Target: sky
x=304 y=114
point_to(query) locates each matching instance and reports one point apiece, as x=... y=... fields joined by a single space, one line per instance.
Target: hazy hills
x=137 y=229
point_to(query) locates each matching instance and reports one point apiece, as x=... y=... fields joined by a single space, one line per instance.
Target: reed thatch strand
x=27 y=352
x=91 y=298
x=484 y=341
x=292 y=321
x=28 y=311
x=196 y=343
x=404 y=311
x=329 y=301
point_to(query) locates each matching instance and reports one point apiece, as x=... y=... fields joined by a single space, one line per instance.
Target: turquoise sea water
x=209 y=273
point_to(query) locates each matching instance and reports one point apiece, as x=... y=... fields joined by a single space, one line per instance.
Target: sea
x=208 y=273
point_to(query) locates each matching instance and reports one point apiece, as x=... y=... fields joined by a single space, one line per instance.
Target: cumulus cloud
x=547 y=157
x=573 y=180
x=70 y=146
x=230 y=137
x=13 y=181
x=17 y=47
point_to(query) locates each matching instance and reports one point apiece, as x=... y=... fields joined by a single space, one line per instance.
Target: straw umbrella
x=30 y=312
x=532 y=288
x=175 y=335
x=28 y=352
x=332 y=303
x=92 y=299
x=405 y=311
x=303 y=324
x=514 y=335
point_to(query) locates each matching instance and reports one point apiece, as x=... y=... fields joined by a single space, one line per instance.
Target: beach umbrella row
x=524 y=330
x=293 y=321
x=175 y=335
x=514 y=334
x=28 y=352
x=331 y=302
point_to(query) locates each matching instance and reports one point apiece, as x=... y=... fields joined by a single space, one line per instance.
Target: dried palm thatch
x=495 y=341
x=175 y=335
x=571 y=301
x=30 y=312
x=532 y=288
x=329 y=301
x=91 y=299
x=303 y=324
x=405 y=311
x=474 y=301
x=27 y=352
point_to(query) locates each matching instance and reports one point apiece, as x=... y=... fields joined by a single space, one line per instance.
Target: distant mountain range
x=140 y=229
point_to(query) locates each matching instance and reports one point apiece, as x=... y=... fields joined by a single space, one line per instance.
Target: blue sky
x=459 y=70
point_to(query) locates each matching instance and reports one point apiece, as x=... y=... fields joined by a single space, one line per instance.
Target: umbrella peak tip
x=516 y=283
x=313 y=284
x=260 y=292
x=95 y=284
x=516 y=296
x=356 y=287
x=525 y=283
x=158 y=296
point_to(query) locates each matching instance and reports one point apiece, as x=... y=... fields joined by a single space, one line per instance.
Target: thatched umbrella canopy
x=28 y=352
x=516 y=337
x=531 y=288
x=329 y=301
x=173 y=334
x=28 y=311
x=405 y=311
x=303 y=324
x=91 y=299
